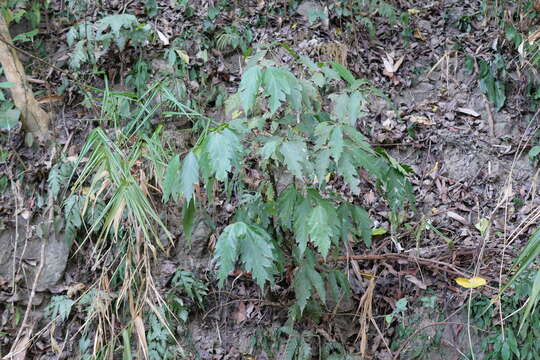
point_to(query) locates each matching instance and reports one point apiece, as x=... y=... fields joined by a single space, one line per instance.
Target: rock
x=199 y=239
x=26 y=250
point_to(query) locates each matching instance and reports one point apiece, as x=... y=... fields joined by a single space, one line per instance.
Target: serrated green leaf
x=190 y=175
x=256 y=254
x=249 y=243
x=249 y=87
x=302 y=287
x=317 y=282
x=318 y=79
x=348 y=170
x=355 y=105
x=363 y=223
x=322 y=134
x=336 y=143
x=276 y=85
x=226 y=252
x=223 y=150
x=79 y=55
x=294 y=152
x=286 y=204
x=321 y=165
x=59 y=306
x=301 y=233
x=319 y=229
x=54 y=180
x=171 y=183
x=330 y=73
x=304 y=350
x=270 y=146
x=341 y=107
x=117 y=21
x=290 y=348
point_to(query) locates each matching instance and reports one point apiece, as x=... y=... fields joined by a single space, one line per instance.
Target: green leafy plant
x=491 y=75
x=186 y=283
x=90 y=41
x=234 y=38
x=281 y=120
x=9 y=115
x=517 y=339
x=60 y=306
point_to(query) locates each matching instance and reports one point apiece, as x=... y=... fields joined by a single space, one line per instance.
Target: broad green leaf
x=301 y=231
x=355 y=105
x=494 y=90
x=304 y=350
x=59 y=306
x=302 y=287
x=336 y=143
x=535 y=150
x=363 y=223
x=249 y=87
x=398 y=190
x=276 y=85
x=294 y=153
x=171 y=183
x=319 y=229
x=9 y=119
x=358 y=138
x=343 y=72
x=117 y=21
x=308 y=63
x=322 y=134
x=190 y=175
x=290 y=348
x=249 y=243
x=305 y=279
x=188 y=219
x=6 y=84
x=341 y=107
x=321 y=165
x=223 y=149
x=330 y=73
x=256 y=254
x=348 y=170
x=318 y=79
x=270 y=146
x=286 y=204
x=317 y=282
x=226 y=252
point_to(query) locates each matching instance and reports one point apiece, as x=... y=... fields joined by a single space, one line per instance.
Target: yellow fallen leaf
x=413 y=11
x=471 y=283
x=183 y=55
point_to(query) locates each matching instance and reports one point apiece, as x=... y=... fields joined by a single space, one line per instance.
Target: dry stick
x=491 y=123
x=393 y=256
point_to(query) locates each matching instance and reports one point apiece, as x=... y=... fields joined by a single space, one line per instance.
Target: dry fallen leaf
x=471 y=283
x=421 y=120
x=416 y=281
